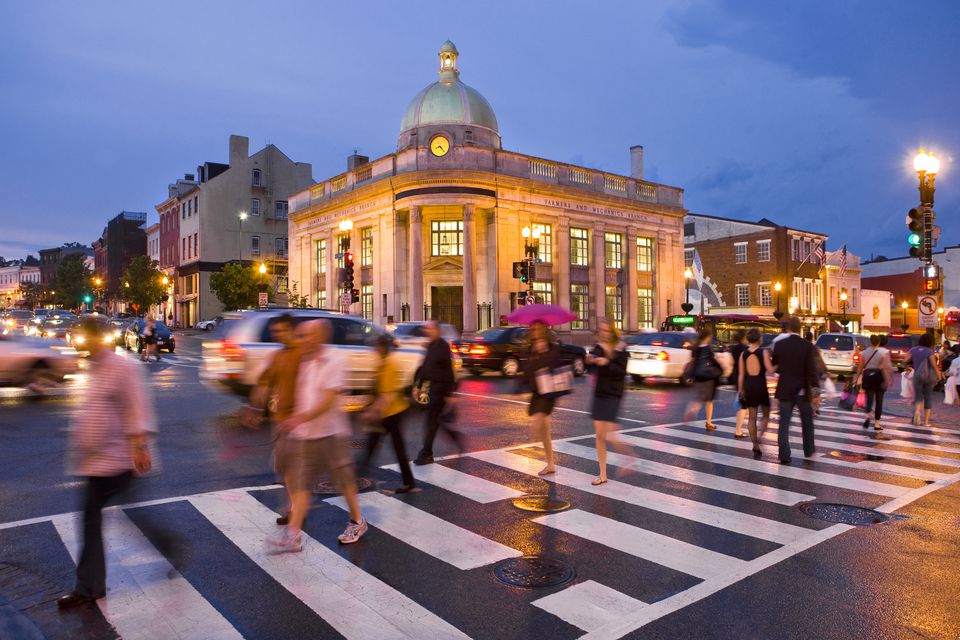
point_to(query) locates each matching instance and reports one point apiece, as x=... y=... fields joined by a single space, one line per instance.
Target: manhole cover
x=846 y=513
x=327 y=486
x=540 y=503
x=533 y=572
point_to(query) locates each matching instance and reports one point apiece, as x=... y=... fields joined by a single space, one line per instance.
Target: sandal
x=710 y=426
x=598 y=481
x=546 y=471
x=757 y=453
x=740 y=435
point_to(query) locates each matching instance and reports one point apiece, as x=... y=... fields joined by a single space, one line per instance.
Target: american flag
x=820 y=253
x=843 y=261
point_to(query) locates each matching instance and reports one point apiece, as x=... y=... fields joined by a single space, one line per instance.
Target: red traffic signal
x=348 y=258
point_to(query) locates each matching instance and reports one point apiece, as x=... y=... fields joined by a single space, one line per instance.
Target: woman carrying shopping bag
x=706 y=374
x=926 y=373
x=609 y=357
x=875 y=374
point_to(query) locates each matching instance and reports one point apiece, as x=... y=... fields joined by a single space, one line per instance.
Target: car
x=33 y=362
x=899 y=345
x=413 y=332
x=504 y=349
x=234 y=360
x=665 y=354
x=841 y=351
x=209 y=325
x=133 y=336
x=16 y=321
x=79 y=339
x=57 y=325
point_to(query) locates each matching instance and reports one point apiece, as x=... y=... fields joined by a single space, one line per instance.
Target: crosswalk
x=685 y=513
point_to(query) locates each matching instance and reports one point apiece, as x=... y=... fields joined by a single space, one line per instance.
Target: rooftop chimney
x=636 y=162
x=188 y=177
x=239 y=149
x=355 y=160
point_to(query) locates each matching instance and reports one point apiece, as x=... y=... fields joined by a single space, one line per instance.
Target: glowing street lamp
x=262 y=268
x=242 y=216
x=778 y=288
x=904 y=326
x=687 y=276
x=164 y=280
x=843 y=306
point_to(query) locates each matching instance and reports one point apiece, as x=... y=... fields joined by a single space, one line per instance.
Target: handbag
x=553 y=383
x=871 y=379
x=706 y=368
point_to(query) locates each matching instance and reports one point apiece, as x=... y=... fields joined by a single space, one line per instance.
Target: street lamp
x=687 y=275
x=778 y=288
x=940 y=313
x=262 y=268
x=843 y=306
x=904 y=326
x=164 y=280
x=242 y=216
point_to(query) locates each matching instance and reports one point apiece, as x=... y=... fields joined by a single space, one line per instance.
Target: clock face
x=439 y=146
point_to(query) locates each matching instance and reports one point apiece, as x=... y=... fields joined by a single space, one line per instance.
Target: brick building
x=50 y=260
x=122 y=240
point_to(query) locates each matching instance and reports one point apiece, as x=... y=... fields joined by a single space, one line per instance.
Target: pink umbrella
x=548 y=314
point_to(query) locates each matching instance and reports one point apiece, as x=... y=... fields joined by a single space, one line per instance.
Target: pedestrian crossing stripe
x=149 y=598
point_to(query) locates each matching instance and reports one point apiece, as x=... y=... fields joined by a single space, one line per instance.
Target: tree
x=296 y=300
x=236 y=286
x=72 y=281
x=32 y=294
x=145 y=282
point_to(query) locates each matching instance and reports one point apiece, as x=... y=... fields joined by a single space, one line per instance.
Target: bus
x=723 y=326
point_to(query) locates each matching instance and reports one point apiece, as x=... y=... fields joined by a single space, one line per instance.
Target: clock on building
x=439 y=146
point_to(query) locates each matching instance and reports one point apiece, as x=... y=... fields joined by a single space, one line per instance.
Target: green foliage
x=73 y=281
x=296 y=300
x=32 y=293
x=236 y=286
x=146 y=283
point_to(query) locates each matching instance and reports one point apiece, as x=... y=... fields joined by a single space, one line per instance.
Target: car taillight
x=478 y=350
x=663 y=356
x=856 y=357
x=230 y=350
x=453 y=348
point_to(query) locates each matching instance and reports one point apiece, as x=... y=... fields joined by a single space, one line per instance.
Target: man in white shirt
x=313 y=439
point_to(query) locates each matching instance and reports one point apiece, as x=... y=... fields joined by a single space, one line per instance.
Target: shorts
x=605 y=408
x=303 y=463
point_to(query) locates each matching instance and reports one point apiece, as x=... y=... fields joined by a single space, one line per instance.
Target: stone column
x=631 y=318
x=599 y=281
x=333 y=294
x=415 y=265
x=469 y=275
x=561 y=262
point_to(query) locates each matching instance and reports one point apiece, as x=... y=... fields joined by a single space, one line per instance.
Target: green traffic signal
x=87 y=299
x=914 y=239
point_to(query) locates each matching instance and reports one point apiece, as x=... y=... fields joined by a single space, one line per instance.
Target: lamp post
x=242 y=216
x=778 y=288
x=687 y=276
x=904 y=326
x=843 y=307
x=927 y=166
x=940 y=313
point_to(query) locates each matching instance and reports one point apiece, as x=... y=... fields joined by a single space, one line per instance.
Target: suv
x=899 y=345
x=841 y=351
x=236 y=359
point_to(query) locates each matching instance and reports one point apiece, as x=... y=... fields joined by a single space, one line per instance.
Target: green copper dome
x=449 y=101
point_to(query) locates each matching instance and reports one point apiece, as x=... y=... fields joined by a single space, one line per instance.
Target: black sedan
x=134 y=338
x=57 y=326
x=505 y=349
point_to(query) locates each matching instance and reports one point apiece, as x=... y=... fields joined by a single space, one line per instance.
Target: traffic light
x=524 y=272
x=915 y=222
x=348 y=270
x=87 y=299
x=354 y=295
x=518 y=270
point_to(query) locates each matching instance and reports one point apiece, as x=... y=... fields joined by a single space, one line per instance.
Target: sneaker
x=353 y=532
x=285 y=543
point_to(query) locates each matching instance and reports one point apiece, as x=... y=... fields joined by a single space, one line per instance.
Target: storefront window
x=614 y=306
x=613 y=249
x=579 y=249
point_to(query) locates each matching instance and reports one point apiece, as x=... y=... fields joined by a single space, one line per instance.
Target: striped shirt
x=116 y=406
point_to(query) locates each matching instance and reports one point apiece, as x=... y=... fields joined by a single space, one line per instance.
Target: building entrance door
x=446 y=305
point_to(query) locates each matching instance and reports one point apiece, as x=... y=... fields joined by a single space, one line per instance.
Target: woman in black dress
x=543 y=355
x=706 y=374
x=609 y=356
x=752 y=386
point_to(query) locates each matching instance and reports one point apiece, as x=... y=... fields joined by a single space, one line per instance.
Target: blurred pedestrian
x=737 y=349
x=706 y=372
x=543 y=358
x=609 y=357
x=387 y=411
x=821 y=372
x=437 y=371
x=150 y=339
x=315 y=436
x=108 y=446
x=875 y=373
x=752 y=386
x=794 y=360
x=926 y=374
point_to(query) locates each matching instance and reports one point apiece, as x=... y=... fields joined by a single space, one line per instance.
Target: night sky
x=807 y=113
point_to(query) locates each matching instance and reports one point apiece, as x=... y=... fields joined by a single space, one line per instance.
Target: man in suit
x=794 y=359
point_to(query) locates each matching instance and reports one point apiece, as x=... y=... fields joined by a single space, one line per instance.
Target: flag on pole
x=843 y=261
x=820 y=253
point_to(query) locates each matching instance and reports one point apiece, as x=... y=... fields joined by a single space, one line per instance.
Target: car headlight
x=108 y=339
x=9 y=323
x=116 y=334
x=50 y=334
x=79 y=339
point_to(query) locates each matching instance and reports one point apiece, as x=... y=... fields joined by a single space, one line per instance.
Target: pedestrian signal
x=354 y=295
x=931 y=285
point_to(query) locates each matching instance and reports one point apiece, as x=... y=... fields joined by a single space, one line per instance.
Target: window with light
x=545 y=242
x=764 y=294
x=366 y=247
x=321 y=256
x=613 y=250
x=645 y=308
x=644 y=254
x=366 y=301
x=614 y=305
x=446 y=238
x=543 y=292
x=579 y=247
x=579 y=305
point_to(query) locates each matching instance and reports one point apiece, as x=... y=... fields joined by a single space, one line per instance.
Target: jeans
x=391 y=424
x=91 y=568
x=878 y=395
x=439 y=392
x=922 y=393
x=806 y=424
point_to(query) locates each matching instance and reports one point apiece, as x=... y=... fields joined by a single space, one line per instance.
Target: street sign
x=262 y=299
x=346 y=298
x=529 y=299
x=927 y=312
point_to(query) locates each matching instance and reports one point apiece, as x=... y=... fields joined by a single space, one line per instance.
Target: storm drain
x=327 y=487
x=533 y=572
x=847 y=514
x=540 y=503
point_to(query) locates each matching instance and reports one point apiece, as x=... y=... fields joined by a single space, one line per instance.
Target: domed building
x=443 y=227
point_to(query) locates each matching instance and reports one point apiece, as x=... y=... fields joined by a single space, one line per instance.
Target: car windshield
x=829 y=342
x=491 y=335
x=899 y=342
x=409 y=331
x=673 y=340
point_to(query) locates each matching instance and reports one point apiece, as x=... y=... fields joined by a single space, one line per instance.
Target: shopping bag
x=861 y=398
x=554 y=383
x=950 y=391
x=736 y=402
x=906 y=385
x=829 y=388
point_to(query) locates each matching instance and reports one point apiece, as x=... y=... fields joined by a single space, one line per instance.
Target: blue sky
x=804 y=112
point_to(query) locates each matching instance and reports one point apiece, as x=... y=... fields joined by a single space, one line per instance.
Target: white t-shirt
x=315 y=376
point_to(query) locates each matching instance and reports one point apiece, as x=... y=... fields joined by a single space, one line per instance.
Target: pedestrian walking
x=150 y=339
x=794 y=360
x=437 y=372
x=387 y=411
x=926 y=373
x=737 y=349
x=108 y=446
x=315 y=436
x=875 y=374
x=609 y=357
x=752 y=386
x=952 y=384
x=821 y=372
x=543 y=358
x=706 y=372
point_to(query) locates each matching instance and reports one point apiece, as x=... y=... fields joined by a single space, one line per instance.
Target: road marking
x=796 y=473
x=701 y=512
x=588 y=605
x=649 y=545
x=896 y=420
x=426 y=532
x=352 y=601
x=463 y=484
x=866 y=465
x=146 y=596
x=525 y=403
x=706 y=480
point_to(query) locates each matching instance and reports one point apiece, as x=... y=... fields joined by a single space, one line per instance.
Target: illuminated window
x=579 y=305
x=743 y=295
x=645 y=308
x=446 y=238
x=322 y=299
x=342 y=241
x=764 y=294
x=644 y=254
x=613 y=250
x=579 y=247
x=366 y=247
x=321 y=256
x=614 y=306
x=740 y=252
x=545 y=246
x=366 y=301
x=543 y=292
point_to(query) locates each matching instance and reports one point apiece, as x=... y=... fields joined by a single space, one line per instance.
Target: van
x=841 y=351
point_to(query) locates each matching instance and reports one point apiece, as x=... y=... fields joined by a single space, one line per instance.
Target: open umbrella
x=548 y=314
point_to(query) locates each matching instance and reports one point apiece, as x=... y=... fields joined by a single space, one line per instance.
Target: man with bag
x=795 y=361
x=875 y=374
x=437 y=370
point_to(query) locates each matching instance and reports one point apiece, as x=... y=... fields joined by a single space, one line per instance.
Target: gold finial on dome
x=448 y=61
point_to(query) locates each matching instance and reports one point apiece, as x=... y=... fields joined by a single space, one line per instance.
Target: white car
x=665 y=354
x=841 y=351
x=38 y=362
x=209 y=325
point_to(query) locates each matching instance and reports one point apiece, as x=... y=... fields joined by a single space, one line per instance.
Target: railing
x=581 y=177
x=338 y=184
x=542 y=169
x=616 y=183
x=363 y=173
x=646 y=192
